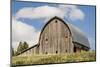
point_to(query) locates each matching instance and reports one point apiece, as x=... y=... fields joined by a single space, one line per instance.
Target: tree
x=25 y=45
x=22 y=46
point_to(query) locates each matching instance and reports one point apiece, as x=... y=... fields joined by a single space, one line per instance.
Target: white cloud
x=71 y=11
x=76 y=14
x=39 y=12
x=23 y=32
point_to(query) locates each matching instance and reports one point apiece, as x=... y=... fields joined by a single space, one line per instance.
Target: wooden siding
x=55 y=38
x=78 y=47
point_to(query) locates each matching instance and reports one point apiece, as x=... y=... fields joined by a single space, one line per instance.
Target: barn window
x=55 y=21
x=66 y=51
x=74 y=49
x=66 y=36
x=46 y=39
x=46 y=52
x=38 y=46
x=56 y=52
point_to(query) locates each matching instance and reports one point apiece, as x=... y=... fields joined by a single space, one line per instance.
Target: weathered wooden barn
x=58 y=37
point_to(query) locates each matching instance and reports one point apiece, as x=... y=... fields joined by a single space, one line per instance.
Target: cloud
x=68 y=11
x=39 y=12
x=76 y=14
x=73 y=12
x=23 y=32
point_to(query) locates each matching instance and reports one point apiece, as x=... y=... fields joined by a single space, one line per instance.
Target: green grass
x=48 y=59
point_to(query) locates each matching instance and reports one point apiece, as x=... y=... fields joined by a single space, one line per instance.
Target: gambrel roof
x=77 y=35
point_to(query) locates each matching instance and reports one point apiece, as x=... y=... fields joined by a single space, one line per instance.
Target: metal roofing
x=78 y=35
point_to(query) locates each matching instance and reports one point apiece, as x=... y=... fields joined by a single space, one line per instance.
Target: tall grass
x=57 y=58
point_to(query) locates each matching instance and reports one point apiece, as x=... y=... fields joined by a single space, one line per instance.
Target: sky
x=28 y=18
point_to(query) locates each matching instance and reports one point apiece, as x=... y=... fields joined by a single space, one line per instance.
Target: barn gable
x=55 y=37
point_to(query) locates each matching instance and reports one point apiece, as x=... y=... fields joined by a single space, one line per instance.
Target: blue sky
x=83 y=17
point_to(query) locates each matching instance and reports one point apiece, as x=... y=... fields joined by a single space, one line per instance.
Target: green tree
x=22 y=46
x=25 y=45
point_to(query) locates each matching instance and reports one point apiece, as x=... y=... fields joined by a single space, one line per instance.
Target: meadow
x=55 y=58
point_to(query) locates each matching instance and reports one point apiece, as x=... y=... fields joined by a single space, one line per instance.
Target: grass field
x=49 y=59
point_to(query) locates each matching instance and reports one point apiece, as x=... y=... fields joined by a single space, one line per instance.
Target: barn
x=59 y=37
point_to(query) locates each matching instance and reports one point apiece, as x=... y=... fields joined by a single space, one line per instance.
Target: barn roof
x=77 y=35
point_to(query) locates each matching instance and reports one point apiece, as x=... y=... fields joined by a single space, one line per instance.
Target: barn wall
x=78 y=47
x=55 y=38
